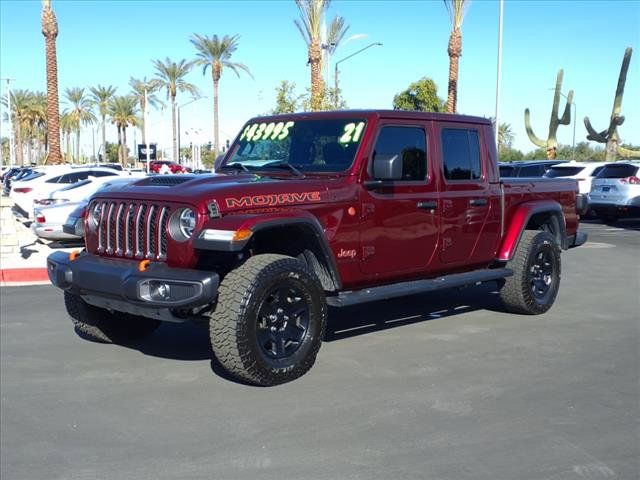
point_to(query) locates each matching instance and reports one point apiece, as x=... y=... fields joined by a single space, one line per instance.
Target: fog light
x=159 y=291
x=167 y=291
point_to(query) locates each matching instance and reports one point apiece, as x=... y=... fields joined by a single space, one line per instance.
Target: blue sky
x=106 y=42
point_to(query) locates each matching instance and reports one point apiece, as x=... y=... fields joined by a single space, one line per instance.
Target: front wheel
x=536 y=274
x=270 y=319
x=101 y=325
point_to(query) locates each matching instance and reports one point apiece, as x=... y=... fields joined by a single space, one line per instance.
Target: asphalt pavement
x=438 y=386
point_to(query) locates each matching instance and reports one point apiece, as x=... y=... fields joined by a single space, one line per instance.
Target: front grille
x=132 y=230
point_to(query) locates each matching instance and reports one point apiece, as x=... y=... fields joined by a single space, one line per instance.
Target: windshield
x=621 y=170
x=322 y=145
x=556 y=172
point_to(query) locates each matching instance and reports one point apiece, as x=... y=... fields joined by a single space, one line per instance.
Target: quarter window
x=461 y=154
x=408 y=142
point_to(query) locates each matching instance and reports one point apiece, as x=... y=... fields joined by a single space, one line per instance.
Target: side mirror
x=218 y=162
x=387 y=167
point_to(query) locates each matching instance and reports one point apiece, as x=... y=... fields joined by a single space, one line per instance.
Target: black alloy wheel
x=282 y=321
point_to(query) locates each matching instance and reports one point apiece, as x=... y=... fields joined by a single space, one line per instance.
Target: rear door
x=465 y=197
x=400 y=219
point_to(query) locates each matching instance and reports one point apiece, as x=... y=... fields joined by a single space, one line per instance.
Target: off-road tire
x=609 y=219
x=517 y=292
x=101 y=325
x=234 y=327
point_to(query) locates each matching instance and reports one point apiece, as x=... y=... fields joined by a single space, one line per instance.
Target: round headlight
x=94 y=214
x=187 y=221
x=182 y=224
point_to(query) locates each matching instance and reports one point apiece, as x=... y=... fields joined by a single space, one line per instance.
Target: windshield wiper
x=236 y=166
x=287 y=165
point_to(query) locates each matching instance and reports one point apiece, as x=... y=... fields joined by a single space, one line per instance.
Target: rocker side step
x=354 y=297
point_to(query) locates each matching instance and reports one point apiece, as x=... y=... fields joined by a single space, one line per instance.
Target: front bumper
x=157 y=292
x=52 y=231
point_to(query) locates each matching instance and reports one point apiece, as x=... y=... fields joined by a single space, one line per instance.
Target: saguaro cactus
x=610 y=136
x=551 y=144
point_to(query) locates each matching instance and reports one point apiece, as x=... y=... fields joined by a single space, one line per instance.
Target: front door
x=400 y=220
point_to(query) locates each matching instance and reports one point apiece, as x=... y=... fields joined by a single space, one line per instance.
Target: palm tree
x=143 y=90
x=123 y=112
x=335 y=34
x=67 y=126
x=171 y=77
x=216 y=53
x=456 y=10
x=20 y=105
x=50 y=32
x=505 y=135
x=100 y=97
x=80 y=111
x=310 y=26
x=35 y=122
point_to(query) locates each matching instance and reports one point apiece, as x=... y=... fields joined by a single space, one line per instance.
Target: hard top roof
x=392 y=114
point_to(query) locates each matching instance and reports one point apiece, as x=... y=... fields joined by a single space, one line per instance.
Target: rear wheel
x=609 y=219
x=270 y=319
x=103 y=326
x=536 y=274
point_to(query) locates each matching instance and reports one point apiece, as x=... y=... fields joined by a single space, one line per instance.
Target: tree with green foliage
x=100 y=98
x=420 y=96
x=80 y=110
x=216 y=53
x=124 y=112
x=287 y=100
x=171 y=76
x=456 y=9
x=144 y=91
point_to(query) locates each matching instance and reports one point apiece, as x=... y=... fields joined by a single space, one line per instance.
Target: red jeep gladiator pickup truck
x=310 y=210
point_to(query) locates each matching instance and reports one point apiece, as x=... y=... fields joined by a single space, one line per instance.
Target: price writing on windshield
x=352 y=132
x=266 y=131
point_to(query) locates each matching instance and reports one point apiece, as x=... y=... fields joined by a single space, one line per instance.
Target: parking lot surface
x=438 y=386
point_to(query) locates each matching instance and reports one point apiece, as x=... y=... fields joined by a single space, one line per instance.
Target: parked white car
x=583 y=172
x=75 y=191
x=615 y=192
x=24 y=193
x=49 y=220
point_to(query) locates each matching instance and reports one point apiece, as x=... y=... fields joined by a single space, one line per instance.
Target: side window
x=530 y=171
x=55 y=179
x=101 y=173
x=408 y=142
x=461 y=154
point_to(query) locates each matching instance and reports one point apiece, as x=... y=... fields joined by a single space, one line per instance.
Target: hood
x=232 y=192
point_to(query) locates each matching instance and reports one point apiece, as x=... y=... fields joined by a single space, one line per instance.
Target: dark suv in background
x=533 y=168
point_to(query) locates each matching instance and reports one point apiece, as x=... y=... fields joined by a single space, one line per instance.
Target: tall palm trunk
x=125 y=153
x=19 y=149
x=120 y=145
x=68 y=152
x=455 y=52
x=29 y=151
x=215 y=72
x=104 y=141
x=50 y=32
x=317 y=83
x=175 y=128
x=78 y=145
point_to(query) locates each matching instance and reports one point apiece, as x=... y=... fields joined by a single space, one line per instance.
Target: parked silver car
x=615 y=192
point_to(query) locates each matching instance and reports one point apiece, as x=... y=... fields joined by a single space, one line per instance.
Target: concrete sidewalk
x=23 y=256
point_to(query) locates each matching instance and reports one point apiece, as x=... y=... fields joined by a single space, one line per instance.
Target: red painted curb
x=24 y=275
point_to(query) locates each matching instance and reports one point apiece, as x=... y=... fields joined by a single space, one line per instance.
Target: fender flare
x=314 y=226
x=521 y=217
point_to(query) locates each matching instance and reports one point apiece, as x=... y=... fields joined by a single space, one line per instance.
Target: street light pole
x=146 y=133
x=499 y=74
x=336 y=71
x=178 y=120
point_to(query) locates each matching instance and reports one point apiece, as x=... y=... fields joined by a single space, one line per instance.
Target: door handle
x=477 y=202
x=428 y=205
